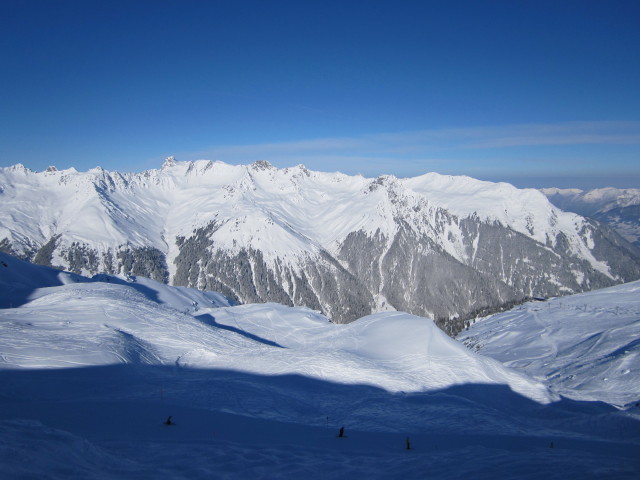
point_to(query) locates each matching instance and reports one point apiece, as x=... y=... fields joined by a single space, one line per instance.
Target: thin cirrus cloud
x=411 y=152
x=576 y=133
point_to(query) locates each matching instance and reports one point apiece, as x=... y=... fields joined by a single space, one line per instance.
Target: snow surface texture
x=584 y=347
x=434 y=245
x=91 y=368
x=111 y=321
x=619 y=208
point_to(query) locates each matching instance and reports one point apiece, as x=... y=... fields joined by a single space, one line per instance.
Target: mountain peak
x=18 y=167
x=262 y=165
x=170 y=161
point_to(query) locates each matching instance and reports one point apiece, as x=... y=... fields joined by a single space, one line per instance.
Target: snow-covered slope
x=346 y=245
x=21 y=282
x=585 y=346
x=619 y=208
x=108 y=320
x=91 y=368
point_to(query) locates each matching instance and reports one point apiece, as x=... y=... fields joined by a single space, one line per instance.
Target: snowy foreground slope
x=91 y=368
x=586 y=346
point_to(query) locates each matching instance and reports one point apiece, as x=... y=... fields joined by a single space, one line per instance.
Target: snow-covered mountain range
x=438 y=246
x=91 y=368
x=619 y=208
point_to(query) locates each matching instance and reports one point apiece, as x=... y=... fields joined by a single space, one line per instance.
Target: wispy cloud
x=576 y=133
x=459 y=150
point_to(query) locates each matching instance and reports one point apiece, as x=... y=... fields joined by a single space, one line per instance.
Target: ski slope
x=91 y=368
x=109 y=320
x=585 y=347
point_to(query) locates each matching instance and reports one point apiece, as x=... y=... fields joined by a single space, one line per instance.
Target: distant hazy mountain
x=619 y=208
x=438 y=246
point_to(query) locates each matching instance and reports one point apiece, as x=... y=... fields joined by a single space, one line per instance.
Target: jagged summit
x=18 y=168
x=169 y=162
x=262 y=165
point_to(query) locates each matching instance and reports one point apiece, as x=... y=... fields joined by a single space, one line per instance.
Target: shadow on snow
x=127 y=399
x=210 y=320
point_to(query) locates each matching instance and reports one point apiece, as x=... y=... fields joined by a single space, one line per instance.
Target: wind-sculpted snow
x=112 y=321
x=439 y=246
x=585 y=347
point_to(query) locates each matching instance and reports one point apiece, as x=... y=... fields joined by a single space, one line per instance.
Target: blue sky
x=533 y=92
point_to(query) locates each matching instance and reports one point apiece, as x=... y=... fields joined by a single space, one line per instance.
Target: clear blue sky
x=539 y=93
